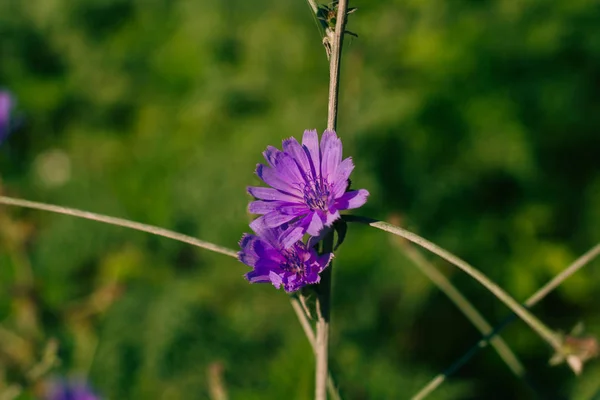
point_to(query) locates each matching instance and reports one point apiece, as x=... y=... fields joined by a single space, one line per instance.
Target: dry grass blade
x=538 y=326
x=464 y=305
x=582 y=261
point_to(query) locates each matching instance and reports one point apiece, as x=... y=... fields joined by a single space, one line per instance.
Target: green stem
x=538 y=326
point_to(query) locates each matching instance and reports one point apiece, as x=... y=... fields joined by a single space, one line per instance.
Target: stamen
x=317 y=195
x=295 y=258
x=293 y=261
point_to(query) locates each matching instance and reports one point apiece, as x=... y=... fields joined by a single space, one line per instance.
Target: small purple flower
x=70 y=390
x=308 y=187
x=6 y=105
x=292 y=268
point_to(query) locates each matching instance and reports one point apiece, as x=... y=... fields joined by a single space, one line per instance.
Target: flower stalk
x=333 y=44
x=323 y=322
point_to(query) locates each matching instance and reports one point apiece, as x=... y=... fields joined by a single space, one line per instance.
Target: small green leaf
x=341 y=227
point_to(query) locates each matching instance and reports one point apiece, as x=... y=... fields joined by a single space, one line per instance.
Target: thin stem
x=333 y=42
x=313 y=6
x=322 y=353
x=530 y=302
x=465 y=306
x=322 y=337
x=310 y=335
x=118 y=222
x=323 y=307
x=560 y=278
x=304 y=322
x=337 y=40
x=216 y=382
x=538 y=326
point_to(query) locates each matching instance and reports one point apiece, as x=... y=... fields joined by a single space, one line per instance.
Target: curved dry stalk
x=560 y=278
x=313 y=6
x=538 y=326
x=10 y=201
x=581 y=262
x=464 y=305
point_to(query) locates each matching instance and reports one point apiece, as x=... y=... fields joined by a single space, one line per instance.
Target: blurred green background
x=473 y=123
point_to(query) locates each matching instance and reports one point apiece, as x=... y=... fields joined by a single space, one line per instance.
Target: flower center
x=293 y=261
x=316 y=195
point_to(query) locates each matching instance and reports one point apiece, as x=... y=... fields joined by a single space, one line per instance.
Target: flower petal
x=268 y=235
x=275 y=219
x=353 y=199
x=275 y=279
x=271 y=154
x=294 y=209
x=272 y=178
x=312 y=278
x=313 y=240
x=265 y=251
x=271 y=220
x=293 y=148
x=247 y=255
x=267 y=264
x=289 y=170
x=310 y=142
x=291 y=235
x=292 y=283
x=340 y=180
x=256 y=252
x=331 y=154
x=264 y=207
x=263 y=193
x=324 y=261
x=314 y=224
x=332 y=217
x=257 y=277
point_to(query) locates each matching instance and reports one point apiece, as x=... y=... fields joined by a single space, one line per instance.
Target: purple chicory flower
x=292 y=268
x=62 y=389
x=309 y=185
x=6 y=106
